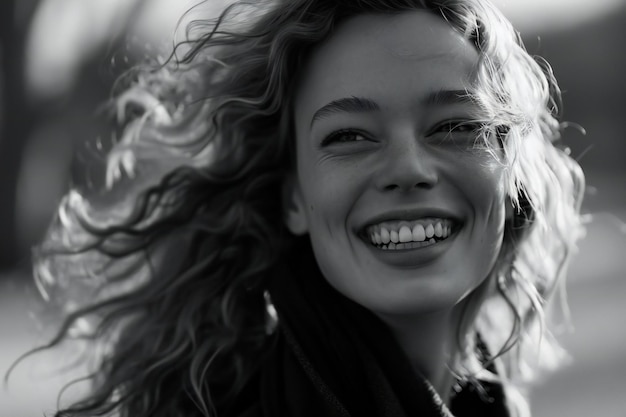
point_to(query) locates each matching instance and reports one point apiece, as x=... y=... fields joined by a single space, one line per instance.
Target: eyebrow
x=354 y=104
x=351 y=104
x=443 y=97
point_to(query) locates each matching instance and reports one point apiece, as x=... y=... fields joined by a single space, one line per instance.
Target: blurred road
x=594 y=384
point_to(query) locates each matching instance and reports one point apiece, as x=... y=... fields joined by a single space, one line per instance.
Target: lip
x=411 y=258
x=408 y=215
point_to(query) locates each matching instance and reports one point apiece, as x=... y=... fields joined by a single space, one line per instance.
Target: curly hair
x=176 y=263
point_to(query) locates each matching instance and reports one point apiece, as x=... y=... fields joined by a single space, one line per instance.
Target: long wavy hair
x=166 y=275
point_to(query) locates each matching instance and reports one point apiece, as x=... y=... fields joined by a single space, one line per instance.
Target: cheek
x=484 y=185
x=491 y=216
x=484 y=180
x=329 y=192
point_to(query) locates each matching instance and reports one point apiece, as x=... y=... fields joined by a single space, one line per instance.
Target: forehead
x=388 y=58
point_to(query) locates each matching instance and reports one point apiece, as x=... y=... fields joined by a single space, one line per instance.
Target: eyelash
x=458 y=126
x=336 y=136
x=448 y=126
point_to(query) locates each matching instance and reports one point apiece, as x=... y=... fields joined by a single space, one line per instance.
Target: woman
x=363 y=211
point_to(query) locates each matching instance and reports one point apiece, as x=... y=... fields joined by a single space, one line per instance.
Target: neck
x=428 y=341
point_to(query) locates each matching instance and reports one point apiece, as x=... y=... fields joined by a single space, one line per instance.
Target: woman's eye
x=456 y=126
x=343 y=136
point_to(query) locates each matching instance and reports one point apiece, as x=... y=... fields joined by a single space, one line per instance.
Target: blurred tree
x=16 y=120
x=27 y=113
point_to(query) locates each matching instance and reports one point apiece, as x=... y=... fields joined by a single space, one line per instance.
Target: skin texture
x=399 y=157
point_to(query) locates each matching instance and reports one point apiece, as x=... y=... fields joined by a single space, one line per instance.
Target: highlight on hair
x=173 y=272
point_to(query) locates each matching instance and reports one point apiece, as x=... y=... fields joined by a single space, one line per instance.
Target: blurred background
x=60 y=58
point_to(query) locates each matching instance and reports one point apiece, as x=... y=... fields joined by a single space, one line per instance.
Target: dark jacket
x=333 y=358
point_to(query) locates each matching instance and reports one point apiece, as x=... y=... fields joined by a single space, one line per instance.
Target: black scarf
x=334 y=358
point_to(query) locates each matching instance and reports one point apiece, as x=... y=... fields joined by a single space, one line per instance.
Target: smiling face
x=405 y=213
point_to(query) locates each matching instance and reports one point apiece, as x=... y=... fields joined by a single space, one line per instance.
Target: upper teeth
x=409 y=231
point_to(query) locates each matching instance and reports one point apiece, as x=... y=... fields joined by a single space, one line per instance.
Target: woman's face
x=405 y=213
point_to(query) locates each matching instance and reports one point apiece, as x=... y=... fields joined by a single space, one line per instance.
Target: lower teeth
x=408 y=245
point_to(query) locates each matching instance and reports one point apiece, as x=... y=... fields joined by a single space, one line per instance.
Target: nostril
x=407 y=171
x=393 y=187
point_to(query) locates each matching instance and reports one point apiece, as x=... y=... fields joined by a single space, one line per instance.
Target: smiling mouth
x=405 y=235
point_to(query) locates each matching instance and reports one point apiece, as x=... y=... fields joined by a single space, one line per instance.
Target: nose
x=408 y=164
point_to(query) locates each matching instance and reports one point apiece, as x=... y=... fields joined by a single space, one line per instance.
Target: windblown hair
x=177 y=268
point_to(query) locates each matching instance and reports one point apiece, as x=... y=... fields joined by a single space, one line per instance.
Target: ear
x=294 y=207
